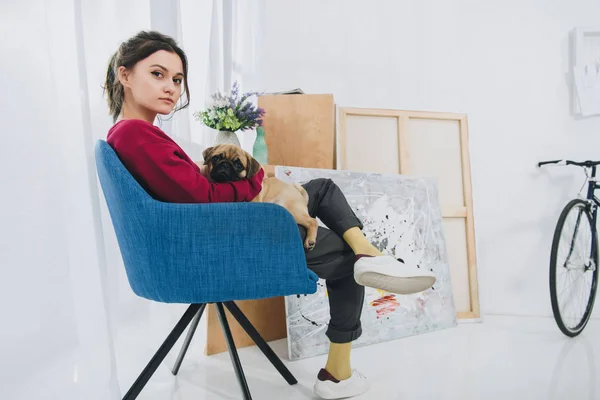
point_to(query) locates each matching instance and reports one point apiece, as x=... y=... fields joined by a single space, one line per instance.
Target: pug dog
x=229 y=163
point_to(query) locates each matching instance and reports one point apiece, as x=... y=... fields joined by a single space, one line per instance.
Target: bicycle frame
x=593 y=203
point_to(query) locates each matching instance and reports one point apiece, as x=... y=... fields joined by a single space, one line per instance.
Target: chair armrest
x=225 y=251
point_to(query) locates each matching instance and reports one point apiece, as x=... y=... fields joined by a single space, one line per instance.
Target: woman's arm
x=173 y=179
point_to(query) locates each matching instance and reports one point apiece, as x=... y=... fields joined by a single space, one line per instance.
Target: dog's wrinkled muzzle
x=224 y=172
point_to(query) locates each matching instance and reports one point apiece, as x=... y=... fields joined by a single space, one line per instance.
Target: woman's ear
x=123 y=75
x=206 y=154
x=253 y=166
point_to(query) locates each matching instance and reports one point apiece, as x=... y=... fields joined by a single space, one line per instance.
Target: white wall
x=503 y=63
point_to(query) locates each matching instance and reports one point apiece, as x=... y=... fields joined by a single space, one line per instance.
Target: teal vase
x=259 y=150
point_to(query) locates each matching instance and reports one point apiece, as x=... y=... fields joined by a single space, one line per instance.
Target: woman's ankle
x=359 y=243
x=339 y=373
x=368 y=251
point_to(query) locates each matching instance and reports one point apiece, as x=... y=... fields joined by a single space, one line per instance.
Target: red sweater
x=167 y=172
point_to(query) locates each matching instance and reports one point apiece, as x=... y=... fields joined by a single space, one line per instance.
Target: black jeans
x=333 y=260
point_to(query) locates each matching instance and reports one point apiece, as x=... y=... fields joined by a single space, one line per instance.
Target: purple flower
x=247 y=115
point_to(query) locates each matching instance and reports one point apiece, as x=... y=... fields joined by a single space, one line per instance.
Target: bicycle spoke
x=571 y=304
x=575 y=303
x=570 y=283
x=582 y=291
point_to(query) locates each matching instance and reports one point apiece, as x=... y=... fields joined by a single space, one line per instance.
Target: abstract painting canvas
x=401 y=216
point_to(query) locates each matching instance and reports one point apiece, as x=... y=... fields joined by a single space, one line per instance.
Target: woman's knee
x=328 y=185
x=318 y=186
x=322 y=181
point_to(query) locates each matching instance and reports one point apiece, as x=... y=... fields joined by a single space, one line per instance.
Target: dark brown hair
x=137 y=48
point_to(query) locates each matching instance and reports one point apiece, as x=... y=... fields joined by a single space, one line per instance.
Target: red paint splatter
x=385 y=305
x=288 y=172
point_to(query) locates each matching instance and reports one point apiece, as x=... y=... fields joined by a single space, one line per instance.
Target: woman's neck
x=132 y=112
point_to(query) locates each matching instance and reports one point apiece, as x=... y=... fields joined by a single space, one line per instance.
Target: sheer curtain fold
x=72 y=327
x=222 y=40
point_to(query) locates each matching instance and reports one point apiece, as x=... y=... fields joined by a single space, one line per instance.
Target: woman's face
x=155 y=83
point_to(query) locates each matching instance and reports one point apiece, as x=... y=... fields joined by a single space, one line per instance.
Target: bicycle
x=574 y=255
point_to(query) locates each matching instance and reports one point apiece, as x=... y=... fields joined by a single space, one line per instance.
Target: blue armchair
x=199 y=254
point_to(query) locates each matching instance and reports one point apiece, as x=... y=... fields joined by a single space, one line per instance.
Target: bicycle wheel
x=573 y=268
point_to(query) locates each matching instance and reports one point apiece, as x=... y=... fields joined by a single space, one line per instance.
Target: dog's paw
x=309 y=245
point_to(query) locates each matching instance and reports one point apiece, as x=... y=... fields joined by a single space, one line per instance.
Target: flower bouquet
x=230 y=113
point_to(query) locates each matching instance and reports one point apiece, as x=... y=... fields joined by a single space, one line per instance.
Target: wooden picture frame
x=398 y=141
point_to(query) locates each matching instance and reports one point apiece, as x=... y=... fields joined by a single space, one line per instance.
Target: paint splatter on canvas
x=401 y=217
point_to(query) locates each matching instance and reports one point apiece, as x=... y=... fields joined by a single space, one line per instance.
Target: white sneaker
x=327 y=387
x=387 y=273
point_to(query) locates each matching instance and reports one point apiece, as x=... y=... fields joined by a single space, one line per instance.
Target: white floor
x=501 y=358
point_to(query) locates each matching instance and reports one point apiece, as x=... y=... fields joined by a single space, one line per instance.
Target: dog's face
x=228 y=162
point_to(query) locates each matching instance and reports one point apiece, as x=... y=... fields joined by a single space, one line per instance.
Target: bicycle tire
x=572 y=332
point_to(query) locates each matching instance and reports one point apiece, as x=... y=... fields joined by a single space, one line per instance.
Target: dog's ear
x=206 y=154
x=253 y=166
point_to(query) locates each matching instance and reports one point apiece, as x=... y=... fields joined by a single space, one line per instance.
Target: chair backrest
x=118 y=184
x=127 y=203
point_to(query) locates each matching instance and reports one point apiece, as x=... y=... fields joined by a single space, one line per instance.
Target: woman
x=146 y=77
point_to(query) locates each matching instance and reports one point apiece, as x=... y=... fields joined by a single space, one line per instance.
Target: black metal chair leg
x=188 y=339
x=162 y=352
x=237 y=366
x=260 y=342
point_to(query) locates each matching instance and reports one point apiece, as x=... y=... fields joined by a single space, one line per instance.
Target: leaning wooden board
x=426 y=144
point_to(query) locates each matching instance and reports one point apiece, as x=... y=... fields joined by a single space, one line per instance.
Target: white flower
x=219 y=103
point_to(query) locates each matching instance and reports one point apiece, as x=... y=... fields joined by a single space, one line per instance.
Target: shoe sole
x=393 y=284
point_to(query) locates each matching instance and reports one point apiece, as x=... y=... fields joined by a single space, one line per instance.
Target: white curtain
x=71 y=327
x=222 y=40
